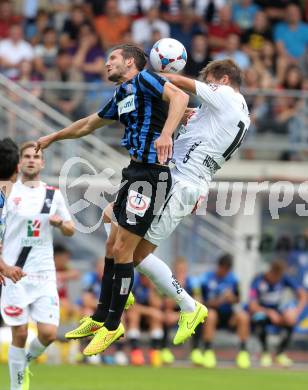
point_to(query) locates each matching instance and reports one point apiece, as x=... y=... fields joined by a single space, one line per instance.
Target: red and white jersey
x=213 y=132
x=26 y=226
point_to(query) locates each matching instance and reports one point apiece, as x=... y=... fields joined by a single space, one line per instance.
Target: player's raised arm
x=182 y=82
x=178 y=101
x=77 y=129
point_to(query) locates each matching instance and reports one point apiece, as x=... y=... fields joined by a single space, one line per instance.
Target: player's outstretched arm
x=182 y=82
x=178 y=101
x=77 y=129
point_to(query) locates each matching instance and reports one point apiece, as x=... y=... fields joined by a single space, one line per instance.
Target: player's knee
x=48 y=338
x=120 y=249
x=289 y=319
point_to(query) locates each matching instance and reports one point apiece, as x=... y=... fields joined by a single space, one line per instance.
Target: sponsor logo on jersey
x=34 y=227
x=126 y=105
x=137 y=203
x=13 y=311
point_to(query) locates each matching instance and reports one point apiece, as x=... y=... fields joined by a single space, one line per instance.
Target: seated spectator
x=91 y=287
x=135 y=8
x=267 y=308
x=74 y=22
x=149 y=23
x=65 y=274
x=7 y=18
x=232 y=50
x=66 y=100
x=220 y=30
x=255 y=37
x=13 y=51
x=244 y=13
x=45 y=54
x=291 y=36
x=220 y=292
x=145 y=314
x=186 y=28
x=275 y=10
x=89 y=56
x=35 y=31
x=198 y=55
x=111 y=26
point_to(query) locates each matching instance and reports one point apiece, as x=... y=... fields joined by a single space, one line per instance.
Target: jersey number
x=237 y=141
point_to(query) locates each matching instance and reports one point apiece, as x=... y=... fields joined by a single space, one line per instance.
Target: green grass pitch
x=67 y=377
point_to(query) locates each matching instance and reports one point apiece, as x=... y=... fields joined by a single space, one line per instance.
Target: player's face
x=116 y=66
x=31 y=163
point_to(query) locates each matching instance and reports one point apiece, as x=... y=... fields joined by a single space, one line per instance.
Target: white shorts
x=182 y=200
x=34 y=296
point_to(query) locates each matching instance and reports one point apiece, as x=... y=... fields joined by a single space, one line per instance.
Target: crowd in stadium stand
x=68 y=41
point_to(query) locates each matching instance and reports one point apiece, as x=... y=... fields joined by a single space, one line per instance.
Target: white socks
x=36 y=348
x=161 y=275
x=17 y=365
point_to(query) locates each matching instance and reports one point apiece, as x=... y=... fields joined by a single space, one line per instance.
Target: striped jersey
x=138 y=104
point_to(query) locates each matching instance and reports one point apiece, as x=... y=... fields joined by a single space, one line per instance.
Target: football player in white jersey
x=211 y=135
x=9 y=157
x=33 y=209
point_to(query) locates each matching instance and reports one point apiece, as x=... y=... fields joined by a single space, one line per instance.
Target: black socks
x=122 y=285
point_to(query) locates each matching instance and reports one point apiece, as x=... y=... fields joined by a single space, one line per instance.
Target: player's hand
x=55 y=220
x=163 y=146
x=229 y=296
x=43 y=142
x=2 y=279
x=13 y=273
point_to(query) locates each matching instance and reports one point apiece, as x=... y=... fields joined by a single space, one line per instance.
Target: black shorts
x=144 y=188
x=224 y=319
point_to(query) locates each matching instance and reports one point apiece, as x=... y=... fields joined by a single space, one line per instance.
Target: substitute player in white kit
x=33 y=209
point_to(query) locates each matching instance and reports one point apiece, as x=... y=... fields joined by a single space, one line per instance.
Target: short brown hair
x=219 y=68
x=132 y=51
x=26 y=145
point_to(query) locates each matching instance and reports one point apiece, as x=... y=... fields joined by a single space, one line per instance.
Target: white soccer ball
x=168 y=55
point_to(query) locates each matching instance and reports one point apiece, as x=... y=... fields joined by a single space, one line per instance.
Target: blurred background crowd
x=67 y=42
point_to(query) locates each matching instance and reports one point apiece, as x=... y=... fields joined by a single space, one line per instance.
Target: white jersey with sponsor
x=213 y=132
x=26 y=226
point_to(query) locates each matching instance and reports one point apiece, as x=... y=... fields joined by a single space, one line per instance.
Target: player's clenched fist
x=43 y=142
x=163 y=146
x=13 y=273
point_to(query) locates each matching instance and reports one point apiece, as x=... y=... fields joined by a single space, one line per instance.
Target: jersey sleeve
x=61 y=209
x=2 y=216
x=110 y=110
x=212 y=94
x=291 y=283
x=151 y=83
